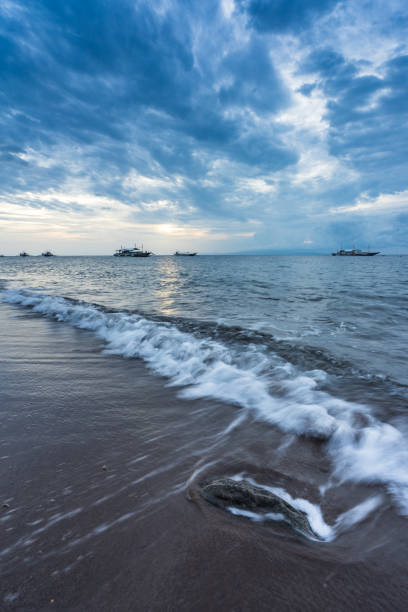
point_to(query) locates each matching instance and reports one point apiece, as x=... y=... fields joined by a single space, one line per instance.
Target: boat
x=184 y=254
x=24 y=254
x=47 y=254
x=355 y=253
x=134 y=252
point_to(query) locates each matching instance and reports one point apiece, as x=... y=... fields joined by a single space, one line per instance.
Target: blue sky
x=219 y=126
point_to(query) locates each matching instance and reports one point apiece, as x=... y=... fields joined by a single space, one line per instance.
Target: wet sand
x=99 y=465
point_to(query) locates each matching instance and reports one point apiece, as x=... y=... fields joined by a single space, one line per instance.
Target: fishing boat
x=355 y=253
x=24 y=254
x=134 y=252
x=47 y=254
x=184 y=254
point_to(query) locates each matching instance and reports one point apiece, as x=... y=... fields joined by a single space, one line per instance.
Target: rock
x=226 y=493
x=5 y=506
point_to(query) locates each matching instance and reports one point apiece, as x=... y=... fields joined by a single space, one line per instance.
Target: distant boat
x=184 y=254
x=355 y=253
x=47 y=254
x=24 y=254
x=135 y=252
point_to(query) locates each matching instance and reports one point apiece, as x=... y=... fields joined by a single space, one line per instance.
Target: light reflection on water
x=355 y=308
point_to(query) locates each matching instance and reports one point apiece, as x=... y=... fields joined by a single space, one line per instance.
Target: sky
x=218 y=126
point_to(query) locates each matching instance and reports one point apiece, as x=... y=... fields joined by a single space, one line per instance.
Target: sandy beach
x=98 y=512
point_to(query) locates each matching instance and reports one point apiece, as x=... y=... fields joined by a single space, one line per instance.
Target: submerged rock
x=226 y=493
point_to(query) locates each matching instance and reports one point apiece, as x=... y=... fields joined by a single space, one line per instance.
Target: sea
x=289 y=372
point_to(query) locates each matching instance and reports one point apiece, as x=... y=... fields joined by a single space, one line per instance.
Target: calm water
x=310 y=346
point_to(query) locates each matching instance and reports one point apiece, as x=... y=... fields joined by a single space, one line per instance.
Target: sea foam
x=259 y=382
x=325 y=532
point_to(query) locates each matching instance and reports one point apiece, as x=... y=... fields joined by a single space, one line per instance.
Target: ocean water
x=302 y=347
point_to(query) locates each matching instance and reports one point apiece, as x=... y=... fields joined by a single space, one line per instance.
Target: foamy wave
x=272 y=389
x=204 y=367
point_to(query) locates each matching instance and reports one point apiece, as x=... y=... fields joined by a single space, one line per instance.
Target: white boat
x=134 y=252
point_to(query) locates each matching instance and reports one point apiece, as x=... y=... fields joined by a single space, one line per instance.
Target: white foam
x=254 y=516
x=273 y=390
x=375 y=453
x=312 y=511
x=325 y=532
x=356 y=515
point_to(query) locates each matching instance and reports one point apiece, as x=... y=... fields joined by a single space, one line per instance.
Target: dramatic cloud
x=221 y=125
x=368 y=115
x=280 y=15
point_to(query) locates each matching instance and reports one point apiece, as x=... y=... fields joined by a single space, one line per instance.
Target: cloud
x=123 y=86
x=101 y=221
x=258 y=185
x=367 y=115
x=217 y=116
x=137 y=182
x=383 y=204
x=281 y=15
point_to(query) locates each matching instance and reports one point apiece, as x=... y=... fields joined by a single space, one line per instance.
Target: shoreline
x=96 y=453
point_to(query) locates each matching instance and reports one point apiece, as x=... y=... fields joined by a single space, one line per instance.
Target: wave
x=361 y=448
